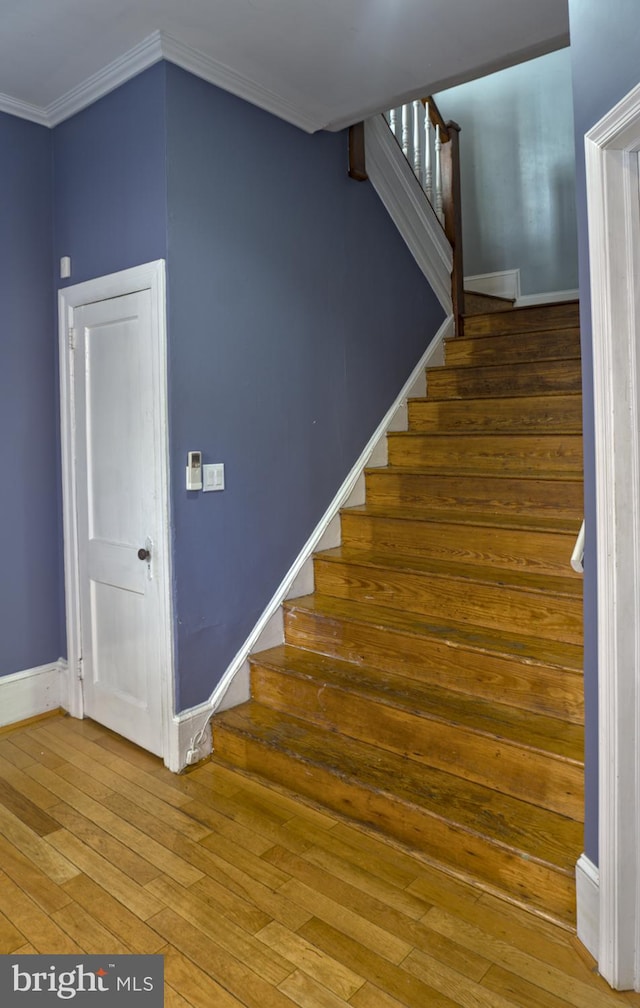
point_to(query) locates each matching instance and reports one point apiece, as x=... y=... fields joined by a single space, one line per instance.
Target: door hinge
x=72 y=338
x=80 y=669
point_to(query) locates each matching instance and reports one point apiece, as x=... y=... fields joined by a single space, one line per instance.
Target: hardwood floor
x=255 y=898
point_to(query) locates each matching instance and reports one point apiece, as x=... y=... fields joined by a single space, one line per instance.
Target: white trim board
x=395 y=183
x=31 y=692
x=190 y=726
x=155 y=47
x=506 y=284
x=503 y=283
x=549 y=297
x=588 y=904
x=149 y=276
x=613 y=181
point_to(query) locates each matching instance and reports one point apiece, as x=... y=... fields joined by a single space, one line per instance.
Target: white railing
x=577 y=557
x=421 y=144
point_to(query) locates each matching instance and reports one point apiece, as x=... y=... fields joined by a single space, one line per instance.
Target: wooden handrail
x=357 y=166
x=452 y=203
x=447 y=203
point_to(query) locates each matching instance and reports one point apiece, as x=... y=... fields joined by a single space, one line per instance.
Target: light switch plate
x=213 y=477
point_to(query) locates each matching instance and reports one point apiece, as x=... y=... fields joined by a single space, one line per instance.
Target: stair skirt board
x=506 y=284
x=233 y=688
x=403 y=692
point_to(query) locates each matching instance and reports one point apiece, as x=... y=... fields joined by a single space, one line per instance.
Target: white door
x=121 y=589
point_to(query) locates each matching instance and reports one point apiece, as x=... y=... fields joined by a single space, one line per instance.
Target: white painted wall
x=518 y=172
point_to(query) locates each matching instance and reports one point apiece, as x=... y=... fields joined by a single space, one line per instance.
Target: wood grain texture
x=535 y=318
x=497 y=602
x=431 y=687
x=528 y=672
x=495 y=545
x=505 y=349
x=362 y=922
x=477 y=453
x=494 y=745
x=557 y=377
x=518 y=414
x=494 y=494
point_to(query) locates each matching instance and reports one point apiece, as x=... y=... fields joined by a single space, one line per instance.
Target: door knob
x=144 y=554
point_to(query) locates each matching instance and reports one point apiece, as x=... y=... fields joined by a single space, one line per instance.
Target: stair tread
x=534 y=477
x=525 y=414
x=529 y=318
x=495 y=303
x=476 y=519
x=520 y=365
x=530 y=649
x=478 y=435
x=493 y=380
x=523 y=348
x=546 y=584
x=509 y=823
x=535 y=732
x=519 y=400
x=568 y=325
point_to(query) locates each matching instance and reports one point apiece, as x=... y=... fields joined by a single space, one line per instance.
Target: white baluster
x=417 y=137
x=428 y=171
x=438 y=206
x=393 y=121
x=405 y=130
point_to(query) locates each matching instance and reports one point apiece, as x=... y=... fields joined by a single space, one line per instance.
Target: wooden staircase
x=431 y=687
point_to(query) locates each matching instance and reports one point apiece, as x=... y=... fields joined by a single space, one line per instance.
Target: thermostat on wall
x=194 y=470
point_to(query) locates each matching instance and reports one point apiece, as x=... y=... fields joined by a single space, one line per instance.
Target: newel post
x=357 y=165
x=453 y=218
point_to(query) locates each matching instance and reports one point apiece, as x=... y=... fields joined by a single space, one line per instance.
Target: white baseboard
x=549 y=297
x=504 y=284
x=189 y=729
x=588 y=900
x=31 y=692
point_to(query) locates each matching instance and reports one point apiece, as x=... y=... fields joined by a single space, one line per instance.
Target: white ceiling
x=316 y=63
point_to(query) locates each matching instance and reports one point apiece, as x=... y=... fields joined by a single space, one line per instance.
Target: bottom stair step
x=525 y=853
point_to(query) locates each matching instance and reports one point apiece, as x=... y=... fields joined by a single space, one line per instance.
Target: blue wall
x=110 y=181
x=518 y=172
x=605 y=42
x=30 y=535
x=295 y=315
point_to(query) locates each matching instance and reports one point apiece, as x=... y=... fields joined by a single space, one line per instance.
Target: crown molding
x=214 y=72
x=152 y=49
x=141 y=57
x=23 y=110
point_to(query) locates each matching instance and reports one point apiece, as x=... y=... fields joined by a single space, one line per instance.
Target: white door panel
x=119 y=513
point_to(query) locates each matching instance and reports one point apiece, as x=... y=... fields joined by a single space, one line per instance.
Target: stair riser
x=513 y=349
x=506 y=496
x=511 y=549
x=561 y=414
x=513 y=455
x=534 y=687
x=533 y=319
x=494 y=606
x=535 y=777
x=536 y=884
x=552 y=377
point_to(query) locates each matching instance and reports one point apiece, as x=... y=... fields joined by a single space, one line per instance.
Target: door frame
x=613 y=203
x=151 y=277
